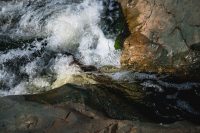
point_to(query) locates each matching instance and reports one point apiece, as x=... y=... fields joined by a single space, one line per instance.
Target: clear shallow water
x=38 y=38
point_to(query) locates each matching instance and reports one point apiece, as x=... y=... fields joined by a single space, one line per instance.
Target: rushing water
x=39 y=37
x=46 y=40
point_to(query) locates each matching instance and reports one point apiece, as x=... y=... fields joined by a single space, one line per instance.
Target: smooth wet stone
x=130 y=95
x=121 y=96
x=30 y=116
x=78 y=79
x=96 y=96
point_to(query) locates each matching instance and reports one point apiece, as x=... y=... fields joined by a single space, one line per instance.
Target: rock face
x=121 y=102
x=163 y=34
x=56 y=112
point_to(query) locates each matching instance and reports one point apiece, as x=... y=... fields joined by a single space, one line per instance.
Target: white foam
x=64 y=67
x=40 y=83
x=12 y=54
x=6 y=78
x=70 y=28
x=79 y=32
x=18 y=89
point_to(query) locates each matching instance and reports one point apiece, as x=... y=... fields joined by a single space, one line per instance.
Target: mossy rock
x=118 y=42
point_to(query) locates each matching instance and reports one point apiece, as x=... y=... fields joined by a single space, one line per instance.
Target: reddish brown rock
x=162 y=34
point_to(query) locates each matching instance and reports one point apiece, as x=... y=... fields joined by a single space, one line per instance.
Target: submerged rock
x=162 y=34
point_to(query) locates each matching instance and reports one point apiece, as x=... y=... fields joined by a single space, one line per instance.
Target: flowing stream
x=42 y=41
x=39 y=37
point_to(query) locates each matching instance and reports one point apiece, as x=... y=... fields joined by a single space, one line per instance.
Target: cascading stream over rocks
x=112 y=56
x=41 y=40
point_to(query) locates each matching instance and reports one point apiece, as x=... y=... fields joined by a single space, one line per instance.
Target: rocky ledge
x=55 y=112
x=99 y=104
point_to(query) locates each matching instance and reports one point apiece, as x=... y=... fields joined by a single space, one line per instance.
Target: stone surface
x=131 y=95
x=112 y=104
x=19 y=114
x=163 y=34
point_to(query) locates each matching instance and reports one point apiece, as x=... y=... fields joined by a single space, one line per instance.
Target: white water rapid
x=38 y=36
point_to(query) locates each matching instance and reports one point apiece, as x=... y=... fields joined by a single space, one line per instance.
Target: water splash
x=55 y=30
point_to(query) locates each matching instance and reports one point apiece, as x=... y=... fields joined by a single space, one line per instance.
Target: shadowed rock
x=65 y=110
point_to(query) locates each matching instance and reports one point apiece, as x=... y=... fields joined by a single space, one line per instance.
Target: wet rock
x=108 y=69
x=129 y=95
x=195 y=47
x=162 y=34
x=96 y=96
x=119 y=95
x=78 y=79
x=88 y=68
x=29 y=115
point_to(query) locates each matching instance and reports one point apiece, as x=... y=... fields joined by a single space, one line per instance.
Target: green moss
x=115 y=28
x=118 y=42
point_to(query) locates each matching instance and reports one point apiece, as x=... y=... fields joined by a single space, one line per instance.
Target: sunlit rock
x=78 y=79
x=162 y=34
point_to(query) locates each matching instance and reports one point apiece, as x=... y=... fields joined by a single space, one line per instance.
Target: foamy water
x=57 y=28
